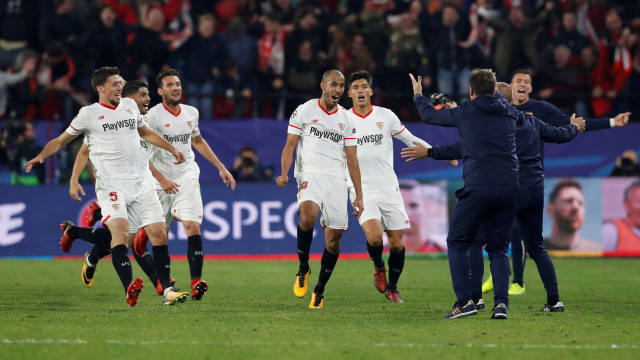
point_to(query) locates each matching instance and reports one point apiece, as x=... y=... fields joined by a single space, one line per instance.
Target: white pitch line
x=270 y=344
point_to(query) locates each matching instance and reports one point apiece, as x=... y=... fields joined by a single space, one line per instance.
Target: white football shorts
x=386 y=206
x=330 y=193
x=185 y=205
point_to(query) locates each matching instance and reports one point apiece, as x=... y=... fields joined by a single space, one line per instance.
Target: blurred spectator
x=179 y=25
x=590 y=16
x=269 y=83
x=406 y=54
x=148 y=52
x=570 y=37
x=302 y=77
x=204 y=56
x=26 y=96
x=588 y=62
x=614 y=64
x=234 y=95
x=54 y=75
x=306 y=29
x=515 y=40
x=18 y=30
x=106 y=39
x=339 y=50
x=634 y=87
x=559 y=81
x=61 y=26
x=452 y=60
x=242 y=48
x=626 y=164
x=247 y=167
x=360 y=57
x=17 y=146
x=23 y=71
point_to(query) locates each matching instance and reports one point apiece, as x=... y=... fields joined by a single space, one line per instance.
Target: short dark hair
x=101 y=75
x=561 y=184
x=362 y=74
x=521 y=71
x=164 y=74
x=482 y=81
x=627 y=191
x=327 y=74
x=132 y=87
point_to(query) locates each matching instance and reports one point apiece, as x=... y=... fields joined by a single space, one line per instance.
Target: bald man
x=324 y=137
x=530 y=199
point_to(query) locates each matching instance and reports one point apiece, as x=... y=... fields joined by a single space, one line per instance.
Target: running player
x=113 y=128
x=325 y=137
x=101 y=237
x=385 y=211
x=178 y=124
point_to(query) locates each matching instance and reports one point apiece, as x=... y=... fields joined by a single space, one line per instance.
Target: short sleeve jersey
x=112 y=136
x=375 y=148
x=323 y=136
x=177 y=129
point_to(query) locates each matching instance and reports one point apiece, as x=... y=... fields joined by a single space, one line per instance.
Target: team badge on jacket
x=341 y=125
x=189 y=123
x=380 y=125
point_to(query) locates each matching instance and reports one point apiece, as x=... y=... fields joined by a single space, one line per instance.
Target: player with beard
x=178 y=123
x=385 y=210
x=324 y=136
x=101 y=237
x=113 y=128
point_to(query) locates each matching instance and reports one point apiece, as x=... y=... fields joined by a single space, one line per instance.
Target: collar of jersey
x=166 y=108
x=325 y=110
x=362 y=116
x=109 y=107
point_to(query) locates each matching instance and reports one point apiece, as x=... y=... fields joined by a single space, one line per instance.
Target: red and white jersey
x=376 y=131
x=177 y=129
x=323 y=136
x=112 y=136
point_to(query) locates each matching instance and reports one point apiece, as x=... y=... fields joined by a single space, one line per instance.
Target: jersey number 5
x=113 y=196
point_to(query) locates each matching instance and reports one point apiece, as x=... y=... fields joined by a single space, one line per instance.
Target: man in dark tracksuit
x=487 y=128
x=521 y=85
x=530 y=201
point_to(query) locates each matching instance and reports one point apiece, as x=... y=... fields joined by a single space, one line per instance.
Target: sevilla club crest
x=380 y=125
x=341 y=125
x=189 y=124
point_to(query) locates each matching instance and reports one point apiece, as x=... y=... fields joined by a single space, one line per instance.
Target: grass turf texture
x=250 y=312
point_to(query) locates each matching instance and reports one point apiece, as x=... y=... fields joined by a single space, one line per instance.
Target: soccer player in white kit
x=113 y=128
x=101 y=237
x=178 y=124
x=325 y=137
x=383 y=203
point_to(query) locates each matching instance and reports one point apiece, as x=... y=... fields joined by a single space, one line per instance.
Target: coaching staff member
x=487 y=129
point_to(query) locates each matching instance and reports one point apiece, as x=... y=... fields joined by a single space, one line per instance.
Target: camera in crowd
x=440 y=100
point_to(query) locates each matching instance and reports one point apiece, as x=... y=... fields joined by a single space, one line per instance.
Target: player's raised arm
x=52 y=147
x=287 y=158
x=200 y=144
x=80 y=163
x=153 y=138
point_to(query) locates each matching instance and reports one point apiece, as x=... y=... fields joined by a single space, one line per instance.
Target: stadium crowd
x=260 y=58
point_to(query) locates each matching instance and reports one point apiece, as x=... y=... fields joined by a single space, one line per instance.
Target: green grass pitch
x=250 y=312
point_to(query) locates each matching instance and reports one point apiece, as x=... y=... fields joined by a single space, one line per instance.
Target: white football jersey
x=323 y=137
x=376 y=131
x=177 y=129
x=112 y=136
